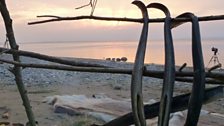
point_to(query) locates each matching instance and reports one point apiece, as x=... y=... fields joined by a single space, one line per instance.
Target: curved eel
x=198 y=88
x=136 y=81
x=169 y=75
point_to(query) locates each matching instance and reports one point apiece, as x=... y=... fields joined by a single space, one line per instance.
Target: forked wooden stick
x=135 y=20
x=17 y=69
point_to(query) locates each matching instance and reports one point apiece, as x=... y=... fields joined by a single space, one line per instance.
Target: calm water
x=101 y=50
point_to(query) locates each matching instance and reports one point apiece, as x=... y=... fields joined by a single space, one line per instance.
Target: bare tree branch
x=149 y=73
x=214 y=75
x=16 y=70
x=50 y=58
x=52 y=16
x=89 y=4
x=135 y=20
x=86 y=17
x=92 y=4
x=6 y=43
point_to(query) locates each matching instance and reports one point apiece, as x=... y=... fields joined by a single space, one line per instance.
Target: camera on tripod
x=214 y=59
x=215 y=50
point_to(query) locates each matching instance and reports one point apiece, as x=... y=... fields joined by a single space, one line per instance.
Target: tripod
x=214 y=59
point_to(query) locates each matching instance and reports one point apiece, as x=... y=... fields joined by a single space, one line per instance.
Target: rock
x=118 y=59
x=117 y=87
x=151 y=101
x=27 y=124
x=124 y=59
x=4 y=123
x=176 y=119
x=108 y=58
x=5 y=115
x=66 y=110
x=99 y=96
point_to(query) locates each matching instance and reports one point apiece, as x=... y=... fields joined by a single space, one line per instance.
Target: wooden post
x=17 y=69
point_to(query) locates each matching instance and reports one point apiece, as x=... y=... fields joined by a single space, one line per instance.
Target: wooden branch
x=215 y=75
x=182 y=67
x=87 y=17
x=154 y=74
x=16 y=70
x=89 y=4
x=124 y=19
x=70 y=68
x=52 y=16
x=207 y=81
x=179 y=103
x=92 y=4
x=50 y=58
x=215 y=67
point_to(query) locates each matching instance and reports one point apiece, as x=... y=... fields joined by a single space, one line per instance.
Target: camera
x=215 y=50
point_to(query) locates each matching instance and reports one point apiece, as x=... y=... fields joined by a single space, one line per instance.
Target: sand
x=42 y=83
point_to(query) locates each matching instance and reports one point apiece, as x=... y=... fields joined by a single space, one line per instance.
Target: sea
x=117 y=49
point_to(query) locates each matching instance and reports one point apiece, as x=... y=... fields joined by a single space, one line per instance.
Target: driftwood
x=182 y=67
x=49 y=58
x=180 y=76
x=157 y=74
x=207 y=80
x=92 y=4
x=215 y=67
x=179 y=103
x=17 y=69
x=156 y=20
x=84 y=105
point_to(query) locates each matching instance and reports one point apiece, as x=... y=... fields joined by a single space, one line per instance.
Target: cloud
x=91 y=30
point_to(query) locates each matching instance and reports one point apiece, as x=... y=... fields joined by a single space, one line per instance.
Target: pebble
x=5 y=115
x=117 y=87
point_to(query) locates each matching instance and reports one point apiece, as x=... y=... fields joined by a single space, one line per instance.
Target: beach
x=42 y=83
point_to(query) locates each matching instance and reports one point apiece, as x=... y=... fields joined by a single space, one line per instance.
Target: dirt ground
x=11 y=102
x=42 y=83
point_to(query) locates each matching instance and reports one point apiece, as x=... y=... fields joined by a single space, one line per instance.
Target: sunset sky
x=24 y=11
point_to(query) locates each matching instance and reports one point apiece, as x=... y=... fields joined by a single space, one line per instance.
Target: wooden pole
x=150 y=73
x=154 y=74
x=17 y=69
x=134 y=20
x=50 y=58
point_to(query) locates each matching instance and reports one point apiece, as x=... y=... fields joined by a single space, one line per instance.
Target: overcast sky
x=24 y=11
